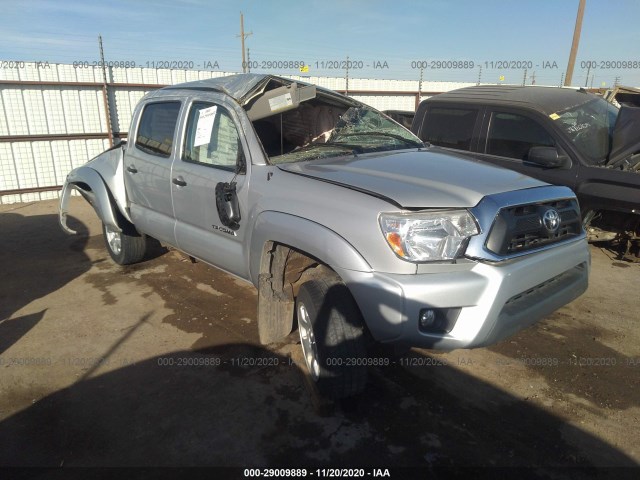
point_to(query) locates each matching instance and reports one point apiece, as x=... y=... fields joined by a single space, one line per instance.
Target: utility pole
x=524 y=79
x=533 y=78
x=419 y=88
x=243 y=36
x=105 y=93
x=588 y=72
x=479 y=75
x=248 y=61
x=616 y=82
x=574 y=45
x=346 y=92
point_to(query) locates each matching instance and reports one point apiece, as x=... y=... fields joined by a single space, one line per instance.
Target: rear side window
x=449 y=127
x=513 y=135
x=157 y=128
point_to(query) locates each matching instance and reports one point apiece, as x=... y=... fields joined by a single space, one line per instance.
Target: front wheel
x=124 y=247
x=332 y=338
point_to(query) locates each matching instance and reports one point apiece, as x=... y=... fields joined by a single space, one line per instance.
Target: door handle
x=179 y=181
x=132 y=169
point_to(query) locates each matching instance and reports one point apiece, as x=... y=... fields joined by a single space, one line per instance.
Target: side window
x=212 y=137
x=157 y=128
x=449 y=127
x=513 y=135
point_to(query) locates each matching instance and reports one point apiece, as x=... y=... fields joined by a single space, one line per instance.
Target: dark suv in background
x=560 y=135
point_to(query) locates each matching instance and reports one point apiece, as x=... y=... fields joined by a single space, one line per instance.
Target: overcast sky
x=390 y=35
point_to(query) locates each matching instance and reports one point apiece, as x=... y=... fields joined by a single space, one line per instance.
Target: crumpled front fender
x=92 y=187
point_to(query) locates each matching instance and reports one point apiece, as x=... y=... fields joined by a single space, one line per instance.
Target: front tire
x=124 y=247
x=332 y=337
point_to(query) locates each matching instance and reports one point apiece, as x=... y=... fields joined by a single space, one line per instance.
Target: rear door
x=147 y=165
x=213 y=145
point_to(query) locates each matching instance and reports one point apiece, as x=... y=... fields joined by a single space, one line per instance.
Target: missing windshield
x=322 y=127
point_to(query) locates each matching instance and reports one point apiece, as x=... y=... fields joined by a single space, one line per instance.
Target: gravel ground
x=159 y=364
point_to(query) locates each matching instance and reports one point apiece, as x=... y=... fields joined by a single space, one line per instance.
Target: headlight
x=428 y=236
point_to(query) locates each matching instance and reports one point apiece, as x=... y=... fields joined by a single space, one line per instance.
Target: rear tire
x=124 y=247
x=332 y=337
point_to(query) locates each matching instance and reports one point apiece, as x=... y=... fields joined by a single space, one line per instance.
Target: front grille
x=522 y=228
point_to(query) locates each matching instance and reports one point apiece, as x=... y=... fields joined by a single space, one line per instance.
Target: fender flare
x=97 y=195
x=304 y=235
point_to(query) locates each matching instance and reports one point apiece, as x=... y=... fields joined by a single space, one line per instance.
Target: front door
x=510 y=135
x=211 y=154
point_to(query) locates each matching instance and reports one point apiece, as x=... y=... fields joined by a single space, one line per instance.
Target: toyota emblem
x=551 y=220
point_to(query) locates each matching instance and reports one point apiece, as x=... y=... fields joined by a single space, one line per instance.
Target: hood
x=626 y=135
x=431 y=178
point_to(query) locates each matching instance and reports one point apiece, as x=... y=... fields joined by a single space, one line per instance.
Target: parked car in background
x=559 y=135
x=340 y=217
x=403 y=117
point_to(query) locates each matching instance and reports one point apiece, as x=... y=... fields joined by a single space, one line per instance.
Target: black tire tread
x=134 y=246
x=344 y=336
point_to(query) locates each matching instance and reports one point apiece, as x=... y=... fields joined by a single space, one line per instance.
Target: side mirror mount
x=228 y=205
x=241 y=161
x=548 y=157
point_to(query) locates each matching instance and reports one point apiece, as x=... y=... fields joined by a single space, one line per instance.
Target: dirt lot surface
x=159 y=364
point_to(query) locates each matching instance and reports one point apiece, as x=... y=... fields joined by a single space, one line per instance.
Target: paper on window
x=204 y=127
x=280 y=102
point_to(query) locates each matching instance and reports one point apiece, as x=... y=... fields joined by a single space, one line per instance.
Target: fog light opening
x=427 y=319
x=434 y=320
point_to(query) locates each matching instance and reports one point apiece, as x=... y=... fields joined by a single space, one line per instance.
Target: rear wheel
x=124 y=247
x=332 y=337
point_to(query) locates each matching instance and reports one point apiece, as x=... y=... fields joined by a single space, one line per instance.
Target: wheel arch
x=90 y=184
x=285 y=252
x=304 y=235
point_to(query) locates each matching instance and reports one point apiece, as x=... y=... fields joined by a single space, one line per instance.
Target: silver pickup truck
x=344 y=221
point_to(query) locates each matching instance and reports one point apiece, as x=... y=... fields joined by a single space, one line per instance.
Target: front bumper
x=495 y=300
